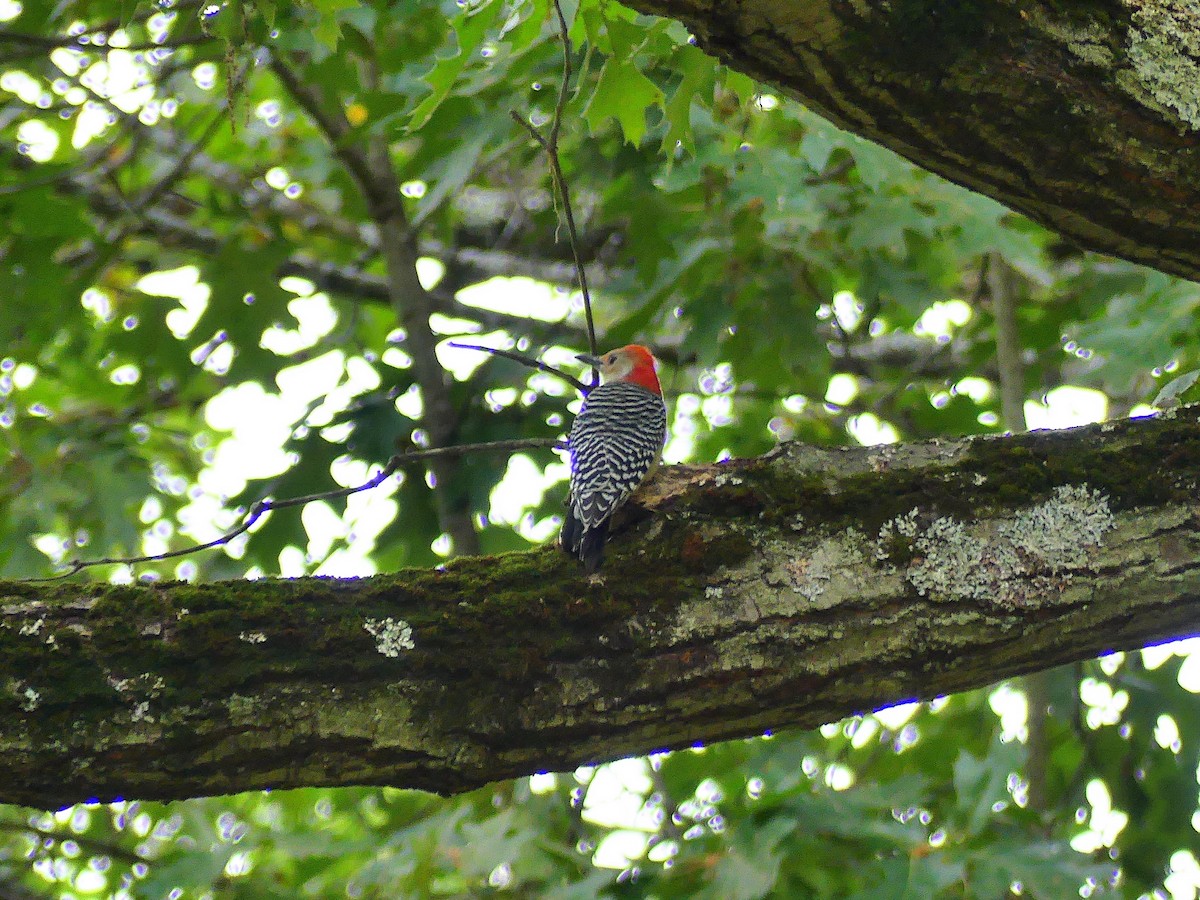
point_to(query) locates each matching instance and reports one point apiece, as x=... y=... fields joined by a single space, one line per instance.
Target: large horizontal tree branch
x=789 y=590
x=1086 y=117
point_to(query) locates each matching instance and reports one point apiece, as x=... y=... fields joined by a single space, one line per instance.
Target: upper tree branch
x=1082 y=116
x=788 y=590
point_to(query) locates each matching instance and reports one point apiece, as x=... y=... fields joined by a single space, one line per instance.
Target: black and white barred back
x=615 y=442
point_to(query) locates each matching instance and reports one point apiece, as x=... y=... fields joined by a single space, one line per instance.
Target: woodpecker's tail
x=572 y=532
x=591 y=548
x=585 y=544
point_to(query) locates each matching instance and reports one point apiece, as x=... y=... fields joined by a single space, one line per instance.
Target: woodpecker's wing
x=615 y=441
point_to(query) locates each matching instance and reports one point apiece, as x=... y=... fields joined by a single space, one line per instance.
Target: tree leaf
x=625 y=94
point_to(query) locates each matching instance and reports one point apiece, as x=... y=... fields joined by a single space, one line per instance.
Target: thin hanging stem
x=550 y=145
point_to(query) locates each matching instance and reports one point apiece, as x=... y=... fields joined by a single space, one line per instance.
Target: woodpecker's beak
x=593 y=361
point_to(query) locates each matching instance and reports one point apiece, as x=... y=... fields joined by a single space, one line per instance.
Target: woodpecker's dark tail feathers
x=591 y=548
x=572 y=530
x=585 y=544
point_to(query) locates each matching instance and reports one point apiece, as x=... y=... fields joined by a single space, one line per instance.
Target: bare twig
x=80 y=42
x=36 y=44
x=97 y=846
x=833 y=173
x=138 y=16
x=561 y=103
x=527 y=361
x=550 y=145
x=262 y=507
x=183 y=163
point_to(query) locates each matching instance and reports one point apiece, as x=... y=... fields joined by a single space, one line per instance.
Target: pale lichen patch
x=1087 y=40
x=392 y=636
x=955 y=561
x=1062 y=531
x=147 y=683
x=31 y=699
x=252 y=637
x=1018 y=556
x=832 y=558
x=905 y=526
x=1163 y=50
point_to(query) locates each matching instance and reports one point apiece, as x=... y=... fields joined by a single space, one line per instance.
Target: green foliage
x=797 y=282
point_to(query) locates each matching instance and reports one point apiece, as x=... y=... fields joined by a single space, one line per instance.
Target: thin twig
x=262 y=507
x=77 y=42
x=561 y=103
x=527 y=361
x=182 y=164
x=550 y=145
x=112 y=25
x=93 y=163
x=833 y=173
x=560 y=184
x=96 y=846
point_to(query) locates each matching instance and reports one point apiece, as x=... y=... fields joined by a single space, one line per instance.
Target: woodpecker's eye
x=612 y=358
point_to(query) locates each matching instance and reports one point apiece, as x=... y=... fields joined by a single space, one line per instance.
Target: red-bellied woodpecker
x=616 y=441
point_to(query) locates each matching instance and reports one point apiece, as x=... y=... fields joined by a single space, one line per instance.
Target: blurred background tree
x=239 y=238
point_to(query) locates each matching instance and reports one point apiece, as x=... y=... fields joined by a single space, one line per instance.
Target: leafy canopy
x=192 y=277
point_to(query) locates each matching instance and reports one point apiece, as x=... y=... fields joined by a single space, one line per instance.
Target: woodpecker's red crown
x=633 y=363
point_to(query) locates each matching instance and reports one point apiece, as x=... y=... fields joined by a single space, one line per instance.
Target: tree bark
x=1083 y=116
x=789 y=590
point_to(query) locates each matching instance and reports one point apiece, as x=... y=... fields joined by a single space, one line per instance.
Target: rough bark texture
x=1084 y=116
x=789 y=590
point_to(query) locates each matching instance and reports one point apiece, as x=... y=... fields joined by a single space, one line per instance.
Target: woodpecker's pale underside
x=615 y=442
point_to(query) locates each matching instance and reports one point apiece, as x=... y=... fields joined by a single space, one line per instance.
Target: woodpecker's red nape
x=643 y=368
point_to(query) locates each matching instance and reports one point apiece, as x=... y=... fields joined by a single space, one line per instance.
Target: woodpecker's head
x=632 y=363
